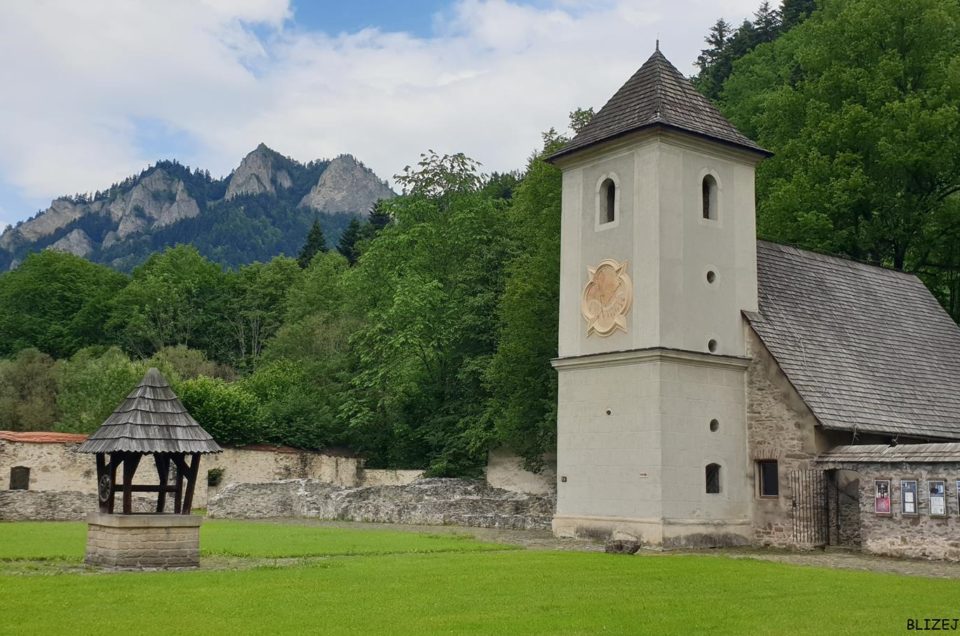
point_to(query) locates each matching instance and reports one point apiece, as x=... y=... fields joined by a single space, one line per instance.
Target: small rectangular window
x=19 y=478
x=769 y=478
x=712 y=475
x=908 y=497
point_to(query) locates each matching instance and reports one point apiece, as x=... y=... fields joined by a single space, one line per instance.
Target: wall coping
x=144 y=520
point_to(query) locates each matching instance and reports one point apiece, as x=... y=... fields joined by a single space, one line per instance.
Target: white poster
x=908 y=493
x=938 y=499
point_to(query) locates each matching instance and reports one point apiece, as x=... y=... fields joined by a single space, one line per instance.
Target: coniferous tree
x=348 y=241
x=379 y=217
x=316 y=242
x=793 y=12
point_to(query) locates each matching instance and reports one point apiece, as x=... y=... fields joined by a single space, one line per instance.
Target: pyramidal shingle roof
x=658 y=95
x=150 y=420
x=868 y=349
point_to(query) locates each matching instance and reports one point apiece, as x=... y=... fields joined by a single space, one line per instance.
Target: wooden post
x=178 y=493
x=130 y=462
x=115 y=459
x=101 y=471
x=191 y=482
x=163 y=469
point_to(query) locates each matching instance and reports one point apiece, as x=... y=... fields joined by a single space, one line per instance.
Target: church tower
x=658 y=260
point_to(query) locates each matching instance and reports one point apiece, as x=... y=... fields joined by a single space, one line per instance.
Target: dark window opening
x=712 y=474
x=19 y=478
x=769 y=478
x=609 y=191
x=709 y=197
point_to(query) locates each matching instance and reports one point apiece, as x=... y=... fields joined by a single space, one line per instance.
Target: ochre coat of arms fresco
x=607 y=298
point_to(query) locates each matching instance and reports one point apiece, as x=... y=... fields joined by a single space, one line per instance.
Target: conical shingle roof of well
x=658 y=95
x=150 y=420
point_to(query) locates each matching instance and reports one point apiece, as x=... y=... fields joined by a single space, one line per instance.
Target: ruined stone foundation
x=143 y=541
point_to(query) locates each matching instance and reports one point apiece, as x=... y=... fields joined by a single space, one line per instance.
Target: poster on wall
x=938 y=499
x=958 y=496
x=908 y=497
x=881 y=504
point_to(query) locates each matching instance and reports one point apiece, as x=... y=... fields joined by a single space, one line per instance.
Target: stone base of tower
x=655 y=533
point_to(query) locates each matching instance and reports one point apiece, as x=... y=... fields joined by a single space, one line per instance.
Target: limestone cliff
x=261 y=171
x=168 y=203
x=76 y=242
x=346 y=186
x=60 y=213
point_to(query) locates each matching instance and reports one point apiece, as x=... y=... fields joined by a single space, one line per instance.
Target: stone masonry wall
x=779 y=427
x=427 y=502
x=57 y=467
x=63 y=505
x=917 y=536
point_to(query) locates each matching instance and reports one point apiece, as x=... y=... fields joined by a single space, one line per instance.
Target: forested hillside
x=263 y=209
x=423 y=338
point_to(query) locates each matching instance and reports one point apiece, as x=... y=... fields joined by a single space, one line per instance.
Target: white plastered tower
x=658 y=259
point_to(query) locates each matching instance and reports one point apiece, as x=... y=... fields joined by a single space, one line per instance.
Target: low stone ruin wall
x=427 y=502
x=55 y=505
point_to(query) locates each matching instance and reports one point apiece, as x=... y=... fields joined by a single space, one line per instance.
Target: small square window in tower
x=768 y=477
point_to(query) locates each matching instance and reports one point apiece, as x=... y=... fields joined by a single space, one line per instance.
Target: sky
x=98 y=90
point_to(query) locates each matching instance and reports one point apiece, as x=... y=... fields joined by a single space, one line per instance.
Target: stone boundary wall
x=62 y=505
x=424 y=502
x=388 y=477
x=57 y=467
x=915 y=536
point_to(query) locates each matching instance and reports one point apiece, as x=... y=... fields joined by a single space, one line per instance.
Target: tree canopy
x=860 y=105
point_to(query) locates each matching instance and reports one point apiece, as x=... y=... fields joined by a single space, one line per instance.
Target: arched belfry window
x=710 y=197
x=712 y=478
x=608 y=201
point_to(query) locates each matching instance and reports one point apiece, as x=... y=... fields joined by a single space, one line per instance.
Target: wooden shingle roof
x=150 y=420
x=658 y=95
x=868 y=349
x=884 y=454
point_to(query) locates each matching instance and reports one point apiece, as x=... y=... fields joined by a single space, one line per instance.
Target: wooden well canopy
x=150 y=421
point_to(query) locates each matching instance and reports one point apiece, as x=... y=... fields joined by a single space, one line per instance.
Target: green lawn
x=396 y=585
x=66 y=540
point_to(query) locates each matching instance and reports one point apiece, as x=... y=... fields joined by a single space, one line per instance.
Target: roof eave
x=567 y=151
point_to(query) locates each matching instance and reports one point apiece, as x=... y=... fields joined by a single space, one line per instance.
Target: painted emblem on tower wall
x=607 y=298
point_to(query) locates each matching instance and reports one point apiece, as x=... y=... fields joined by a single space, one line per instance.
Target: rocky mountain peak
x=346 y=186
x=263 y=170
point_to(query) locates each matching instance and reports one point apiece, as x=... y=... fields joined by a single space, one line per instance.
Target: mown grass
x=472 y=591
x=66 y=541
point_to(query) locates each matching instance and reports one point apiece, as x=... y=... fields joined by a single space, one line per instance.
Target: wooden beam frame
x=183 y=487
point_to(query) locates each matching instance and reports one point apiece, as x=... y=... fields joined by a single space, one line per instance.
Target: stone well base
x=143 y=541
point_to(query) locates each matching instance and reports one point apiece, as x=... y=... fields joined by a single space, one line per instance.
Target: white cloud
x=79 y=76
